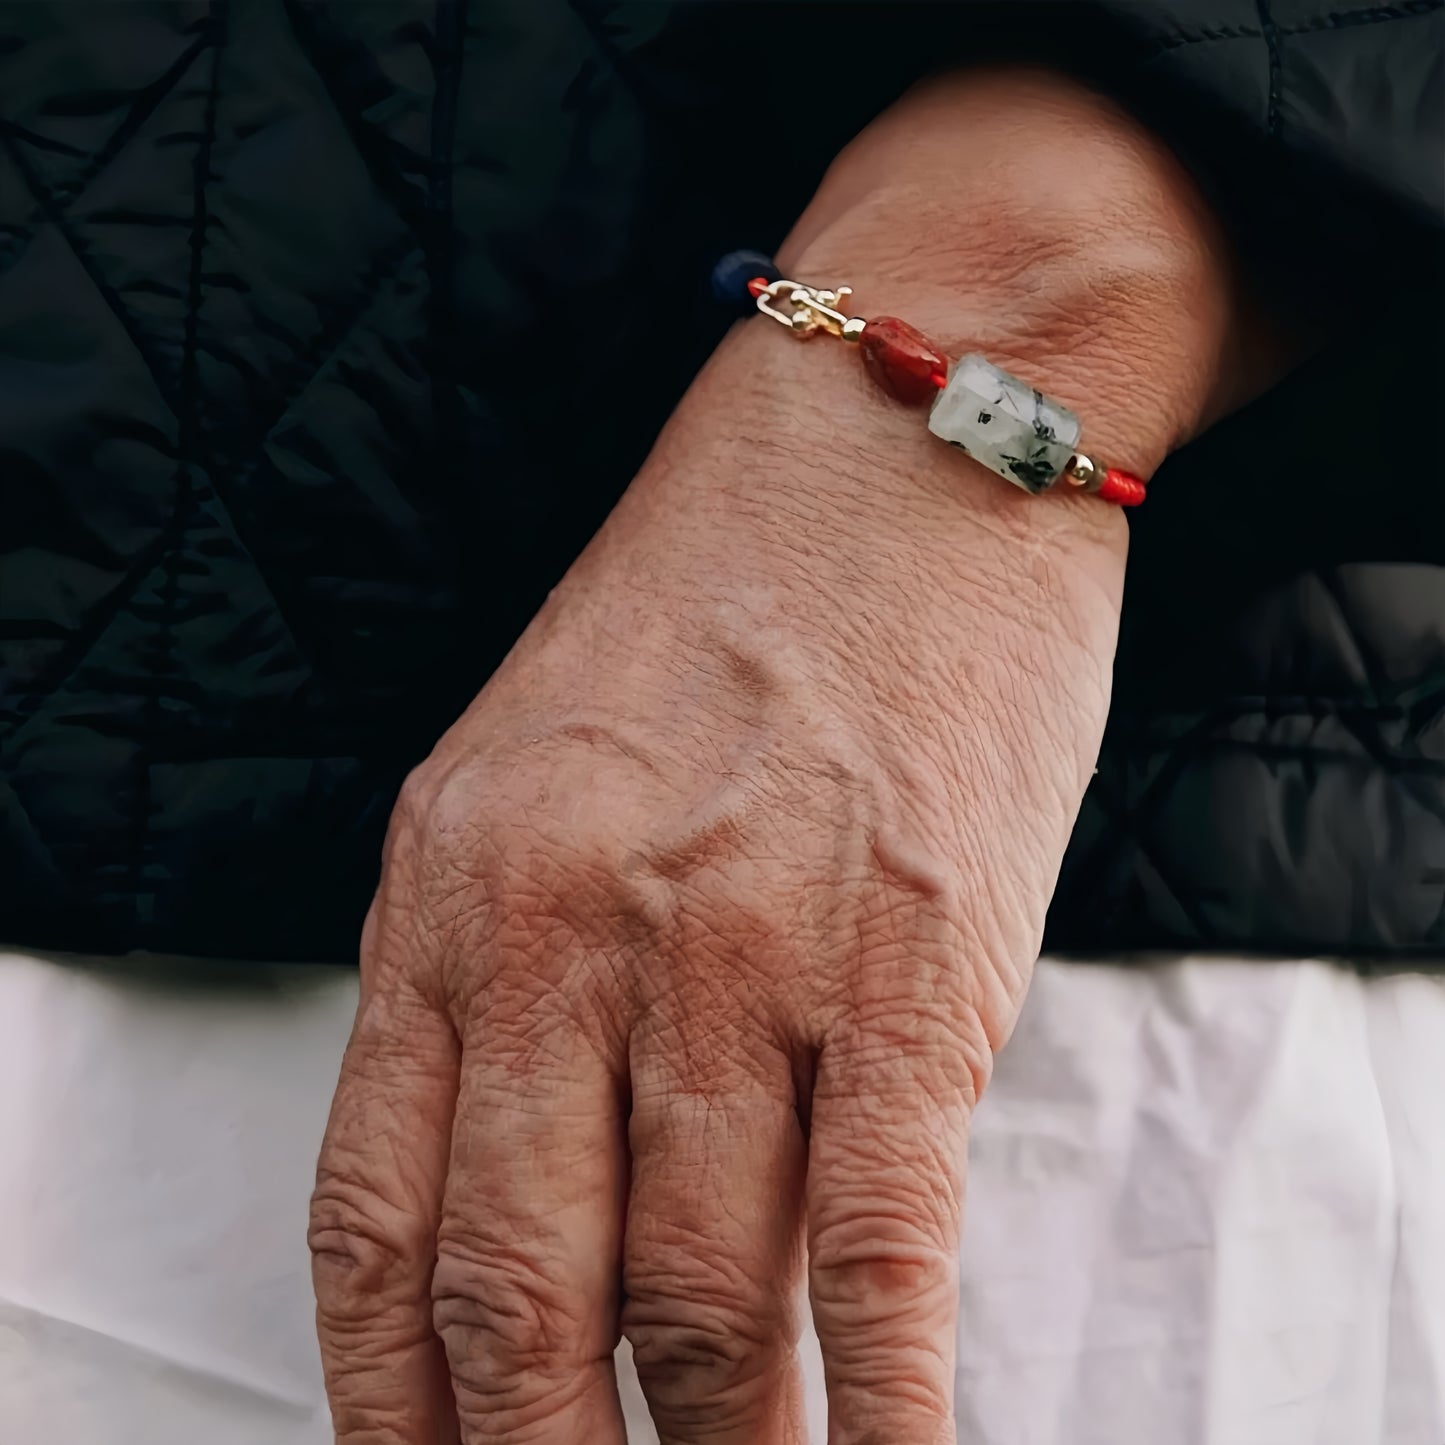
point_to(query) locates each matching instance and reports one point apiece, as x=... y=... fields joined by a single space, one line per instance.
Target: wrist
x=1017 y=214
x=797 y=496
x=825 y=526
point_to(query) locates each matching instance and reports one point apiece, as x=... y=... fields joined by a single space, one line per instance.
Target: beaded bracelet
x=998 y=420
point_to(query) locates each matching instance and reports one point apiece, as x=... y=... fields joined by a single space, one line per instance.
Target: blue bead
x=731 y=275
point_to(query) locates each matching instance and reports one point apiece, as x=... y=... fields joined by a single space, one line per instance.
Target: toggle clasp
x=813 y=309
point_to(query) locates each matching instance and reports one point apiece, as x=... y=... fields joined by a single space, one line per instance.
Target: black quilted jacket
x=292 y=292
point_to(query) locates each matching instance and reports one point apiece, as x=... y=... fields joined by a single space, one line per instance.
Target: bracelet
x=1009 y=426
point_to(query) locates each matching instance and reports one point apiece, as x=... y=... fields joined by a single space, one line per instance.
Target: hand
x=698 y=933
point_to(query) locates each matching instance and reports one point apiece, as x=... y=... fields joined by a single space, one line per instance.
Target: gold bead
x=853 y=328
x=1081 y=471
x=803 y=320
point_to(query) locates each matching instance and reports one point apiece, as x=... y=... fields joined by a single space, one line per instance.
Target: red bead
x=902 y=360
x=1122 y=487
x=757 y=286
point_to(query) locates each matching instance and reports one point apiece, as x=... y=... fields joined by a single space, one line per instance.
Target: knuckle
x=503 y=1320
x=445 y=811
x=367 y=1255
x=874 y=1267
x=413 y=798
x=422 y=824
x=881 y=1288
x=883 y=1244
x=455 y=805
x=444 y=874
x=703 y=1338
x=700 y=1338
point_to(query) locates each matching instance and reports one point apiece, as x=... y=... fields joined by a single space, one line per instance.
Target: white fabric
x=1207 y=1207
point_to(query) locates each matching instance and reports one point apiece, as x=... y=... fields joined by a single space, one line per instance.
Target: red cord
x=1122 y=487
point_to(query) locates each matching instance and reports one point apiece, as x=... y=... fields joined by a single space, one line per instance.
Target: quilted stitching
x=51 y=207
x=310 y=362
x=161 y=660
x=1271 y=40
x=308 y=368
x=197 y=468
x=1330 y=20
x=381 y=161
x=1391 y=736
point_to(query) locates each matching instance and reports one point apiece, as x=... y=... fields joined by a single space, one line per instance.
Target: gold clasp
x=814 y=309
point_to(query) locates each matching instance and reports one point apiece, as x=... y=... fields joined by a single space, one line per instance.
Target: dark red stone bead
x=902 y=360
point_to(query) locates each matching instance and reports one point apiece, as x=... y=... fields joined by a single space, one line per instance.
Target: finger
x=713 y=1257
x=529 y=1248
x=374 y=1220
x=891 y=1105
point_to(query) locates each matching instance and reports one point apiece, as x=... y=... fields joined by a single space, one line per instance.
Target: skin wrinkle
x=506 y=1316
x=597 y=735
x=505 y=1416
